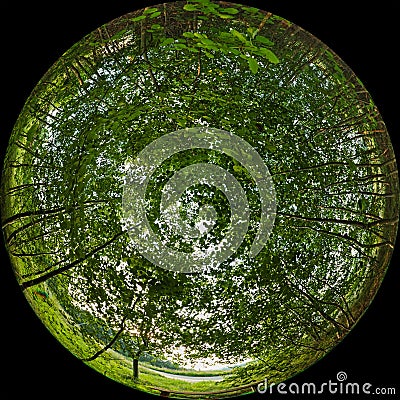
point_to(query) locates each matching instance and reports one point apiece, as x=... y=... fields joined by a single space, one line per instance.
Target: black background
x=34 y=35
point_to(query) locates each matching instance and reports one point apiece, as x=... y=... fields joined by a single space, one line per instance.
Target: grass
x=58 y=322
x=152 y=379
x=187 y=372
x=119 y=368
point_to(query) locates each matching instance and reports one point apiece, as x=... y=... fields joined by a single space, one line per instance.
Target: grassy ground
x=58 y=322
x=187 y=372
x=119 y=368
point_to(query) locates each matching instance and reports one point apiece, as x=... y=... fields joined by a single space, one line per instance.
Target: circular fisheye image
x=199 y=198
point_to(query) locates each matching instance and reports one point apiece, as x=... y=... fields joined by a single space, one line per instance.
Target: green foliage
x=253 y=65
x=234 y=68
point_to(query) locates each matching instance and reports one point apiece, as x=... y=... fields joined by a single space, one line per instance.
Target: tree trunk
x=135 y=366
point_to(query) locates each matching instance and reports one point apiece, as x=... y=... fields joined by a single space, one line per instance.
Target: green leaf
x=139 y=18
x=118 y=34
x=252 y=49
x=150 y=11
x=253 y=64
x=230 y=10
x=207 y=46
x=238 y=35
x=252 y=31
x=155 y=15
x=188 y=34
x=190 y=7
x=208 y=42
x=225 y=16
x=251 y=10
x=180 y=46
x=225 y=35
x=167 y=42
x=182 y=122
x=215 y=48
x=264 y=40
x=269 y=55
x=234 y=51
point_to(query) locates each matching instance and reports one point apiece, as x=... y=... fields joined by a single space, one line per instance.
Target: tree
x=207 y=64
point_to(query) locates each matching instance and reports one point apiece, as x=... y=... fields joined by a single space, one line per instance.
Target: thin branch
x=116 y=336
x=67 y=267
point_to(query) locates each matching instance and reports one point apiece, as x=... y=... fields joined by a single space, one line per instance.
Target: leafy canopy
x=181 y=65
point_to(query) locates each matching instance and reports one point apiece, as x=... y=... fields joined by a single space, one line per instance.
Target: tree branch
x=67 y=267
x=116 y=336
